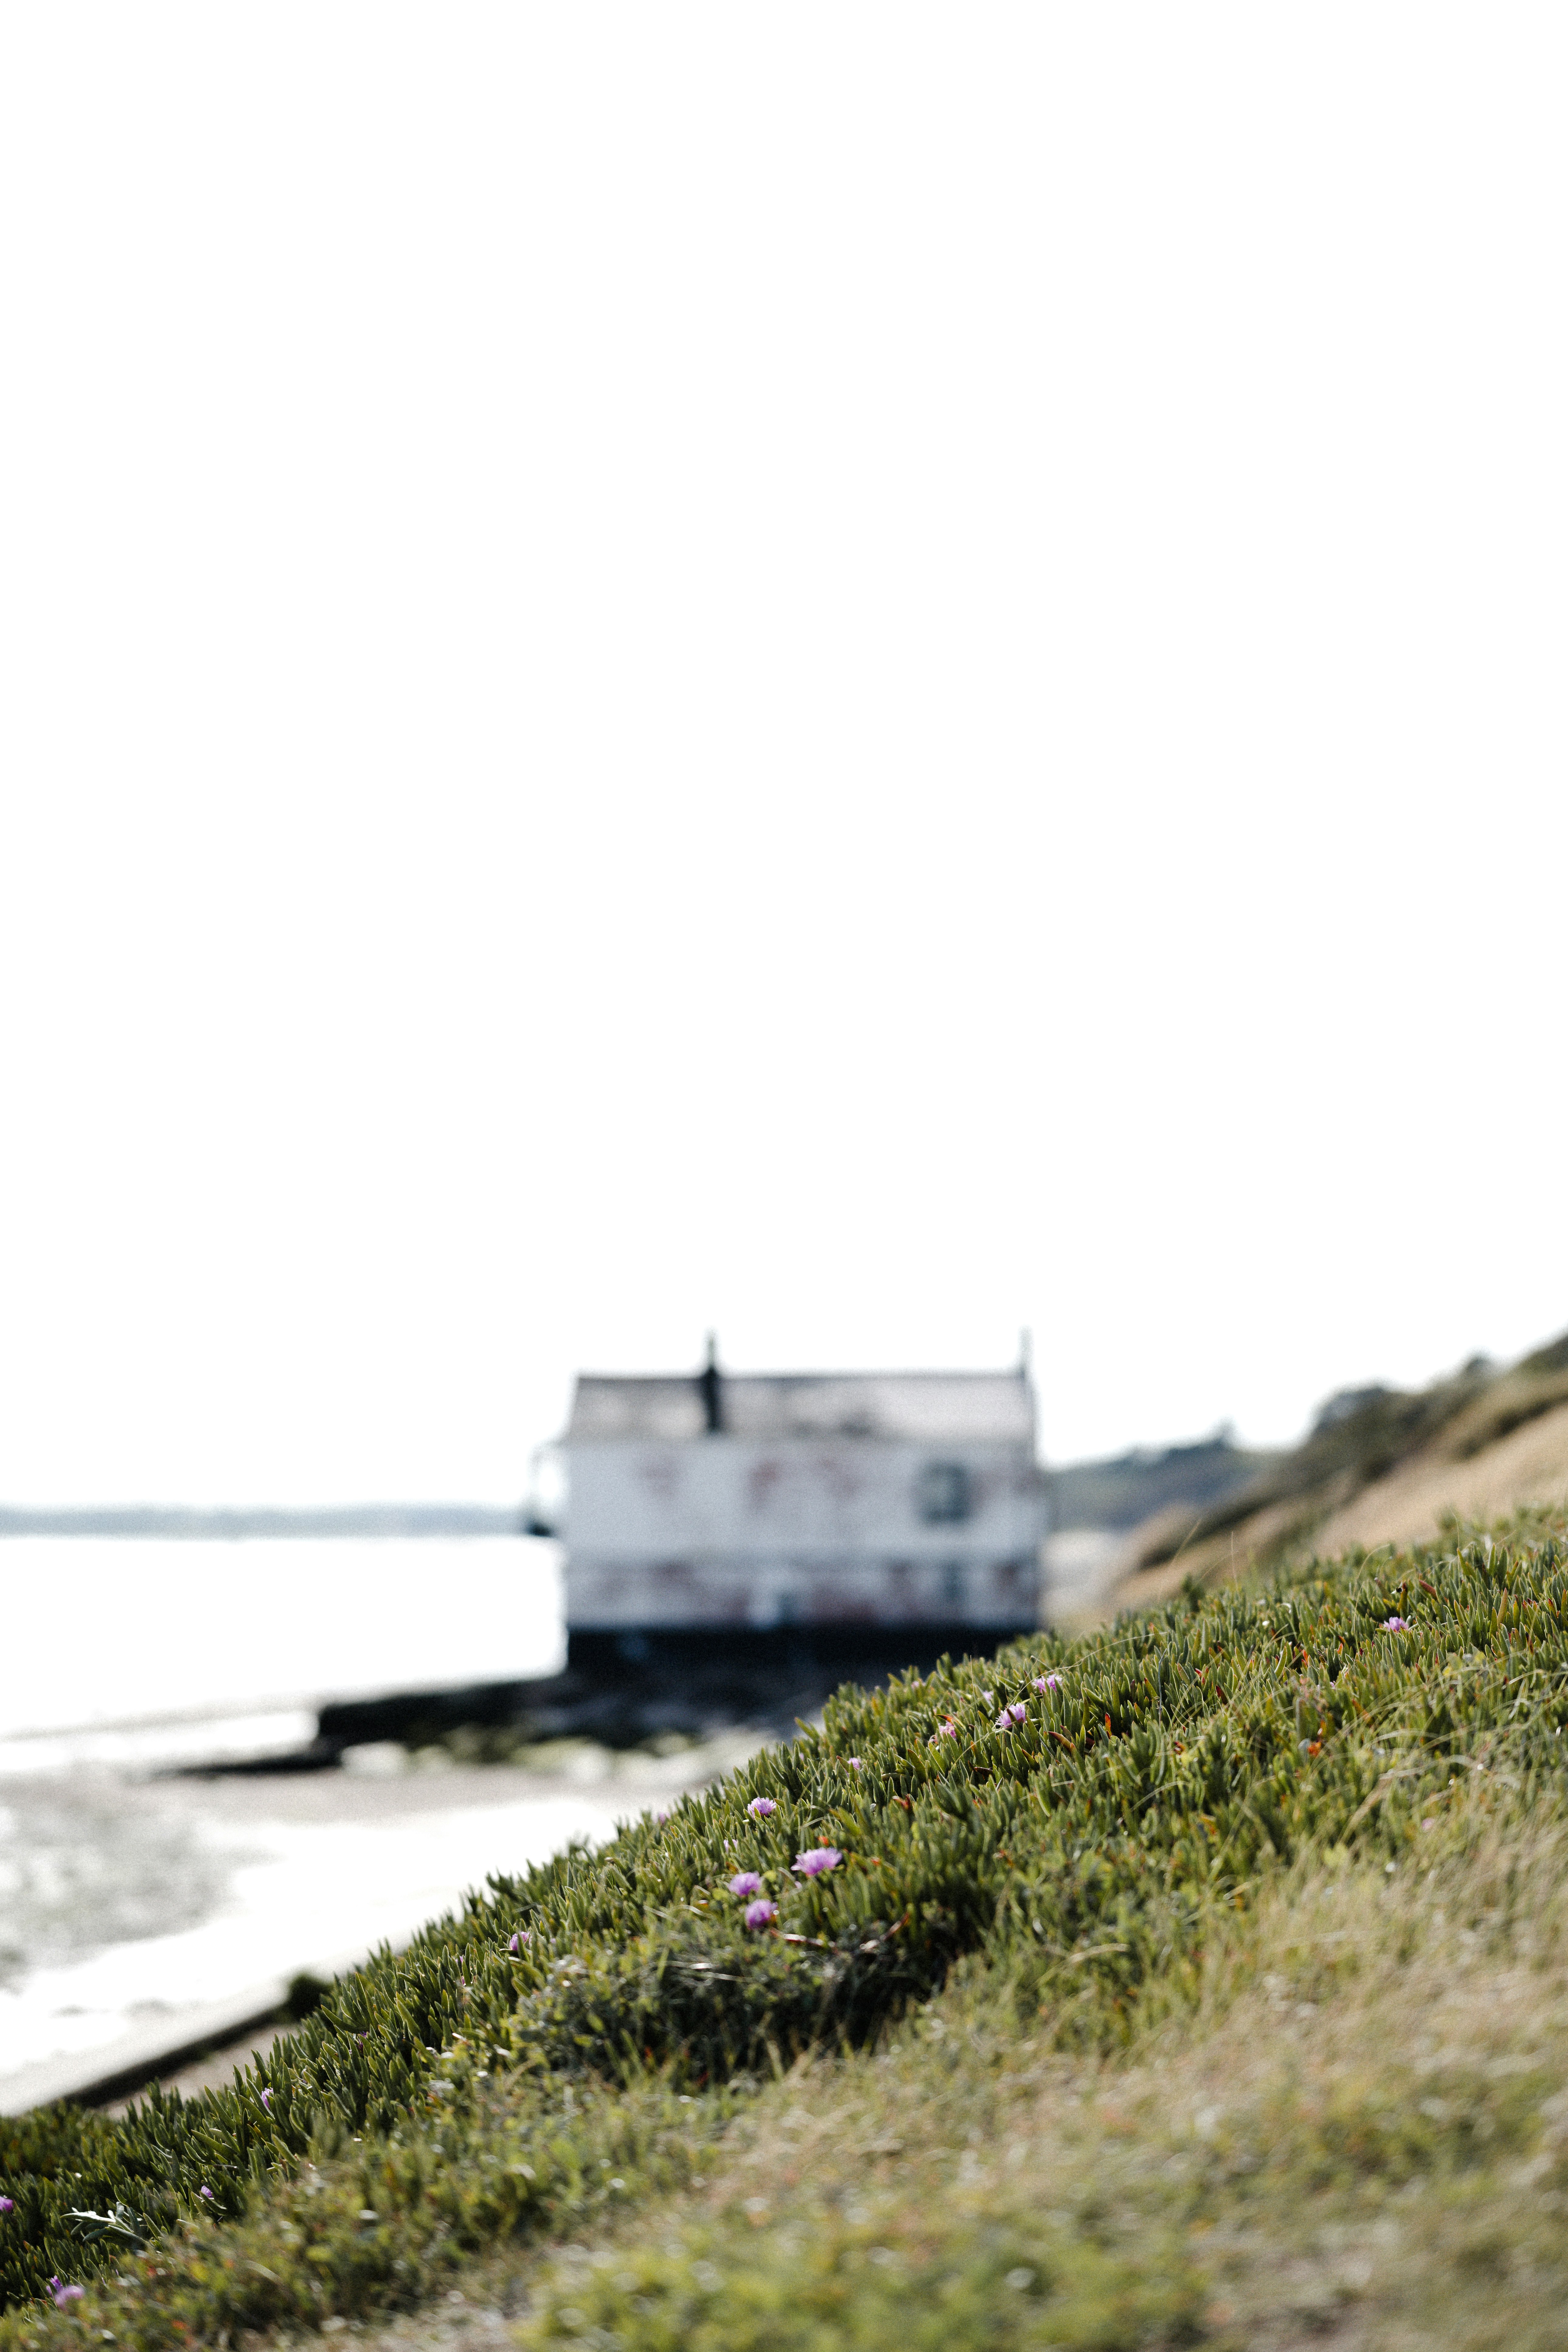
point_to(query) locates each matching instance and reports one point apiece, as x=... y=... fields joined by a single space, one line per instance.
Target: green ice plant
x=1073 y=1811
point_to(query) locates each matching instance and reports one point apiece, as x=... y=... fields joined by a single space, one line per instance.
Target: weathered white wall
x=726 y=1530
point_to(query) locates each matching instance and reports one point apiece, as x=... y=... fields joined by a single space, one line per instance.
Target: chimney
x=708 y=1383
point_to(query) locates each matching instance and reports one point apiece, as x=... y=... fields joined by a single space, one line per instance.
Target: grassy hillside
x=1079 y=1839
x=1125 y=1490
x=1379 y=1466
x=1352 y=2135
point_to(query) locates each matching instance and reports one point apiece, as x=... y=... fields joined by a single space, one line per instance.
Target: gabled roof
x=924 y=1408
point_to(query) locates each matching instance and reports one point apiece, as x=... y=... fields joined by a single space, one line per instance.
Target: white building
x=739 y=1503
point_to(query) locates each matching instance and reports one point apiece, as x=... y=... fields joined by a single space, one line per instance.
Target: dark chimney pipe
x=707 y=1382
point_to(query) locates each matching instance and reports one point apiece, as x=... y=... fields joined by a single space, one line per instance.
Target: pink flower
x=949 y=1730
x=206 y=2192
x=7 y=2205
x=1045 y=1683
x=1012 y=1715
x=853 y=1762
x=519 y=1940
x=820 y=1858
x=760 y=1915
x=761 y=1807
x=745 y=1882
x=64 y=2294
x=1395 y=1625
x=987 y=1695
x=267 y=2101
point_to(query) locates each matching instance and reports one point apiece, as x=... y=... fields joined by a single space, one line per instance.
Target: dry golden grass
x=1529 y=1466
x=1468 y=1474
x=1360 y=2139
x=1271 y=1533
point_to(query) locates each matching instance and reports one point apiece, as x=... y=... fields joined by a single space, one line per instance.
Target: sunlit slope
x=1394 y=1469
x=1068 y=1814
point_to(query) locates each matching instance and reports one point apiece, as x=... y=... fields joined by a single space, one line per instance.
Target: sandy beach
x=135 y=1900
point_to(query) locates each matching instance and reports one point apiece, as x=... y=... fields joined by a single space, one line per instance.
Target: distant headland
x=235 y=1524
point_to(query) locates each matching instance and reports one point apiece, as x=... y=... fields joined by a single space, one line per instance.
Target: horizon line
x=236 y=1521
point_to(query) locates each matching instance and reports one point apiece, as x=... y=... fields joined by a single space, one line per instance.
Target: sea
x=140 y=1896
x=118 y=1634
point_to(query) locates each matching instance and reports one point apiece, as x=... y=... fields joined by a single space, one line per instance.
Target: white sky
x=861 y=674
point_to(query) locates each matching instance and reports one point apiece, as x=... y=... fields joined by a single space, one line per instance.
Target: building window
x=942 y=1494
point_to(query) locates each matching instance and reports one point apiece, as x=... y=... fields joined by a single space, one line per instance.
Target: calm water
x=127 y=1898
x=95 y=1631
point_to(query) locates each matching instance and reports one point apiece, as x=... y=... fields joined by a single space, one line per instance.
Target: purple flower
x=267 y=2101
x=761 y=1807
x=7 y=2205
x=949 y=1730
x=854 y=1763
x=745 y=1882
x=519 y=1940
x=987 y=1695
x=1047 y=1682
x=662 y=1815
x=64 y=2294
x=206 y=2192
x=760 y=1915
x=1396 y=1625
x=820 y=1858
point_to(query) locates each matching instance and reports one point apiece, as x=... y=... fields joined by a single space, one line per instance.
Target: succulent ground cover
x=1083 y=1829
x=1356 y=2133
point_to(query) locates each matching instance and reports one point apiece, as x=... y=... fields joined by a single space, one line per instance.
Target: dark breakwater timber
x=621 y=1690
x=1077 y=1818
